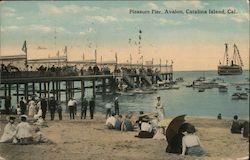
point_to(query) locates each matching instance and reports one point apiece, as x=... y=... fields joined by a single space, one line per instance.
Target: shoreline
x=90 y=139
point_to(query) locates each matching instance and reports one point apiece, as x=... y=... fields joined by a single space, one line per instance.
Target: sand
x=89 y=139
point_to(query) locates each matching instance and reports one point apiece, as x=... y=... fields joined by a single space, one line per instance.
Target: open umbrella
x=174 y=126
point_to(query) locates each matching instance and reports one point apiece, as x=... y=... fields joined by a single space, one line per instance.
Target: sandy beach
x=89 y=139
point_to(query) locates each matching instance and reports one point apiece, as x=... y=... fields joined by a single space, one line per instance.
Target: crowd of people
x=23 y=133
x=184 y=142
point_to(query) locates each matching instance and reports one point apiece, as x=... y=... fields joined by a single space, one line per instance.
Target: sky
x=191 y=41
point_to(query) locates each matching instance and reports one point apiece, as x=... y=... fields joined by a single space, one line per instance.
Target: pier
x=47 y=83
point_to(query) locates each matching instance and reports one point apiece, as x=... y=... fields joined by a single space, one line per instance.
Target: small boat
x=222 y=88
x=238 y=88
x=179 y=79
x=201 y=89
x=125 y=93
x=240 y=95
x=141 y=91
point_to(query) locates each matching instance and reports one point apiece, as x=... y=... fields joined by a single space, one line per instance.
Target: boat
x=201 y=89
x=222 y=88
x=239 y=95
x=238 y=88
x=235 y=68
x=179 y=79
x=143 y=91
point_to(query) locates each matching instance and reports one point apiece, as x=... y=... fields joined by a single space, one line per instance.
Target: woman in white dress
x=159 y=108
x=32 y=108
x=9 y=131
x=23 y=131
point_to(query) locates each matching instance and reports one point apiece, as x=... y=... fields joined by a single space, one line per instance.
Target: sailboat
x=235 y=68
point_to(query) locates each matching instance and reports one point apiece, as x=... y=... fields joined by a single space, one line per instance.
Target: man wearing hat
x=52 y=107
x=116 y=104
x=44 y=107
x=9 y=130
x=84 y=107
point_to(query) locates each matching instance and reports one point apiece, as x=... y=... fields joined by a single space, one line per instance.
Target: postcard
x=103 y=80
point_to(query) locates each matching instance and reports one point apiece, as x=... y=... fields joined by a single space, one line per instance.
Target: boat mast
x=237 y=55
x=226 y=54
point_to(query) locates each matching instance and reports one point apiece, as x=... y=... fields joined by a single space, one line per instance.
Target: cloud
x=151 y=5
x=169 y=21
x=241 y=17
x=7 y=11
x=9 y=29
x=90 y=30
x=184 y=4
x=32 y=27
x=102 y=19
x=52 y=9
x=19 y=18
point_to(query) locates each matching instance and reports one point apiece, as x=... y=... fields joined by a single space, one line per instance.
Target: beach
x=90 y=139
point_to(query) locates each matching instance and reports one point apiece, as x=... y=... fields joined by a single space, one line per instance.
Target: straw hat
x=24 y=116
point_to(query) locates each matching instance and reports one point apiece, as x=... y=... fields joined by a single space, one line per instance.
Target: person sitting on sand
x=39 y=137
x=110 y=122
x=118 y=122
x=41 y=122
x=23 y=131
x=146 y=130
x=246 y=129
x=127 y=124
x=219 y=117
x=9 y=131
x=236 y=125
x=175 y=144
x=191 y=144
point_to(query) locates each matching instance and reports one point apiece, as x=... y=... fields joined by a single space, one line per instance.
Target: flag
x=24 y=49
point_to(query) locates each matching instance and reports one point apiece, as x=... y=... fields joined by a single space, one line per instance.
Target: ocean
x=188 y=100
x=183 y=100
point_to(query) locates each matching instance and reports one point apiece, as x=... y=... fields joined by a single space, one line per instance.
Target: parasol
x=174 y=126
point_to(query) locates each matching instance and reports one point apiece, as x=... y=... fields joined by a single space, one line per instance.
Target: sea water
x=184 y=100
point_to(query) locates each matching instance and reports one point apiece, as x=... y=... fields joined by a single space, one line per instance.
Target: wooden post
x=9 y=90
x=66 y=92
x=26 y=91
x=94 y=94
x=33 y=88
x=17 y=93
x=5 y=90
x=40 y=89
x=59 y=88
x=44 y=89
x=53 y=88
x=82 y=90
x=104 y=86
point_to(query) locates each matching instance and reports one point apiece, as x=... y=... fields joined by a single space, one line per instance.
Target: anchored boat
x=235 y=68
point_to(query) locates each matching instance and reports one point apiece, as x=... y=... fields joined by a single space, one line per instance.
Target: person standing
x=71 y=105
x=59 y=111
x=44 y=107
x=84 y=108
x=92 y=107
x=116 y=104
x=32 y=108
x=52 y=107
x=7 y=105
x=108 y=107
x=75 y=106
x=159 y=108
x=23 y=106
